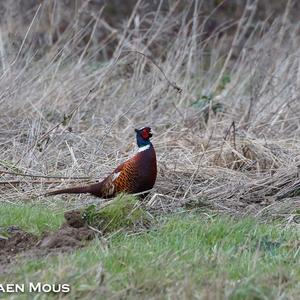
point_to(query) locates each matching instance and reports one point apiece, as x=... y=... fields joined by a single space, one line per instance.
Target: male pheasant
x=136 y=175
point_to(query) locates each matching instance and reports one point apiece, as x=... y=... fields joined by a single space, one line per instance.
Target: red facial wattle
x=145 y=134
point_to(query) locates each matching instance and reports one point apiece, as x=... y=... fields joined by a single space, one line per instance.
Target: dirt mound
x=75 y=219
x=72 y=235
x=18 y=241
x=66 y=237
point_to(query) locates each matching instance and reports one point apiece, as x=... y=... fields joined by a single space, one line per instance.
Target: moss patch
x=125 y=212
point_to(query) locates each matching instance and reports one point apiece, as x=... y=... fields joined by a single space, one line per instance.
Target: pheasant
x=136 y=175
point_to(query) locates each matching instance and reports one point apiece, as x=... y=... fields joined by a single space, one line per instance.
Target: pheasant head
x=143 y=136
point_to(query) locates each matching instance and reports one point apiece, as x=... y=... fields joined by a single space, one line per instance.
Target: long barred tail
x=74 y=190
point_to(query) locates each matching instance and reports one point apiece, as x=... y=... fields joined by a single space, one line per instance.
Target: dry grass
x=233 y=146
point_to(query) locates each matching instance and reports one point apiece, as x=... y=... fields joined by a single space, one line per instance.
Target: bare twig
x=174 y=85
x=45 y=176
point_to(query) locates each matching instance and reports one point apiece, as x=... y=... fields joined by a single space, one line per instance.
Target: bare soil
x=72 y=235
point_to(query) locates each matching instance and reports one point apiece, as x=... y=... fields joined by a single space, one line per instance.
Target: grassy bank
x=185 y=256
x=32 y=218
